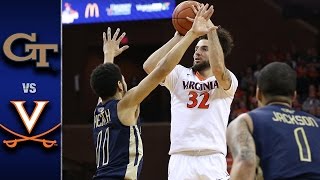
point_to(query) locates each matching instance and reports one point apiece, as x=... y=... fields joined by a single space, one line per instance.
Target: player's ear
x=120 y=86
x=258 y=94
x=294 y=96
x=259 y=97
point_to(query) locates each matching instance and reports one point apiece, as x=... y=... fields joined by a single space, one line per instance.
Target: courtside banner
x=30 y=100
x=102 y=11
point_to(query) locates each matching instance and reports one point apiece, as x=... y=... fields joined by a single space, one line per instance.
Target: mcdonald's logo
x=92 y=9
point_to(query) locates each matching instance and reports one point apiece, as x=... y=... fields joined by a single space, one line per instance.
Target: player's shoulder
x=303 y=113
x=259 y=112
x=182 y=68
x=111 y=104
x=183 y=71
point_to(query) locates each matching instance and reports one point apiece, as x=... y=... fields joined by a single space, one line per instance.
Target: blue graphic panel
x=30 y=103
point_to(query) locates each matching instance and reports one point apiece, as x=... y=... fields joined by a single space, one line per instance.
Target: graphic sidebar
x=30 y=102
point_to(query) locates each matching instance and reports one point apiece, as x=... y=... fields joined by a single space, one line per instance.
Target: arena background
x=258 y=27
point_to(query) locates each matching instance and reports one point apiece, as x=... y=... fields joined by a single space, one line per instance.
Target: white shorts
x=193 y=167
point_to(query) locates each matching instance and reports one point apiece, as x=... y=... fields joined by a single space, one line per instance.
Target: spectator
x=312 y=102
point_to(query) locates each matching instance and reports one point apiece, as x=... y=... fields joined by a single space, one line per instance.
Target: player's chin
x=196 y=62
x=196 y=66
x=201 y=65
x=199 y=62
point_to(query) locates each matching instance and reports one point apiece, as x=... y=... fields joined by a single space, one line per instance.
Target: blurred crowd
x=307 y=65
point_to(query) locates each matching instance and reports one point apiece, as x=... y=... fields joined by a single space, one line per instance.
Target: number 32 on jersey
x=198 y=100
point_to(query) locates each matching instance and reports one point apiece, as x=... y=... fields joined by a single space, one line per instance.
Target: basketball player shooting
x=201 y=97
x=116 y=118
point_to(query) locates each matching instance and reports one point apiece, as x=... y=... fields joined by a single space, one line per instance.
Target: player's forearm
x=216 y=57
x=174 y=56
x=156 y=57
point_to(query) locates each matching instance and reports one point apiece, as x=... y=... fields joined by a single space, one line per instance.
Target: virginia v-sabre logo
x=29 y=123
x=37 y=52
x=32 y=48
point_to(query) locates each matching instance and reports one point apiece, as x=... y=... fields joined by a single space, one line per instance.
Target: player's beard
x=201 y=66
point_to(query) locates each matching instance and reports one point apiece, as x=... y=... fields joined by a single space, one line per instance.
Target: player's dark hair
x=104 y=80
x=225 y=39
x=277 y=79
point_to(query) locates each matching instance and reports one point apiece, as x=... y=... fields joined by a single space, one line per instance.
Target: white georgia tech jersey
x=199 y=111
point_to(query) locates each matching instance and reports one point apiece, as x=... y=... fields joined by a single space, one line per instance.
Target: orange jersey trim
x=200 y=77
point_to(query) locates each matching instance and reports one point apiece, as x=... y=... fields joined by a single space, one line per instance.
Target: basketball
x=179 y=20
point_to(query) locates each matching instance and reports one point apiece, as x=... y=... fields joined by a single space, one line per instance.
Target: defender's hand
x=111 y=45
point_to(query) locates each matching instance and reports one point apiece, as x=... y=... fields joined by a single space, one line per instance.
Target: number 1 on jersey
x=194 y=102
x=303 y=144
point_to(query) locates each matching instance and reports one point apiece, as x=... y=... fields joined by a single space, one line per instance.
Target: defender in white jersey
x=201 y=97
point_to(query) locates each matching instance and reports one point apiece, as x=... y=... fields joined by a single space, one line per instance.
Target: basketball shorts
x=197 y=167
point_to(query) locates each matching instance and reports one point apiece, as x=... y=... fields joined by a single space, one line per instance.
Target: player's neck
x=206 y=73
x=279 y=103
x=282 y=100
x=117 y=96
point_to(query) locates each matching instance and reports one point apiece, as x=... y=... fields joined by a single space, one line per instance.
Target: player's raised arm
x=136 y=95
x=216 y=59
x=155 y=57
x=242 y=147
x=111 y=45
x=217 y=54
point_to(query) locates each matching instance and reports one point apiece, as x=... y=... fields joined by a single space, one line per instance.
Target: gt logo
x=32 y=48
x=29 y=122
